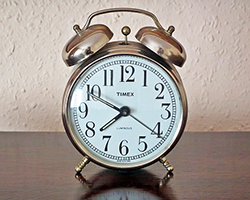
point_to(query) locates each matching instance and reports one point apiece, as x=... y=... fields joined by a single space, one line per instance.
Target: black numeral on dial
x=108 y=78
x=142 y=144
x=90 y=131
x=167 y=115
x=107 y=138
x=144 y=78
x=83 y=109
x=129 y=70
x=123 y=149
x=95 y=89
x=157 y=130
x=159 y=87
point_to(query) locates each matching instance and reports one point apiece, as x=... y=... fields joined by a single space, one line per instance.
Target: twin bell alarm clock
x=124 y=106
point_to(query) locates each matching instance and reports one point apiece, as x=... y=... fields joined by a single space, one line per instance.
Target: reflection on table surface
x=131 y=185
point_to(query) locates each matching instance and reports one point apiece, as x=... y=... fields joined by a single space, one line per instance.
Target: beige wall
x=215 y=34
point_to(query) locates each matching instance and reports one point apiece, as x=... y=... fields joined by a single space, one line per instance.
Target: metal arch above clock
x=125 y=106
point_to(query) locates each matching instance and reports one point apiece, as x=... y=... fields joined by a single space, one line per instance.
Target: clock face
x=124 y=111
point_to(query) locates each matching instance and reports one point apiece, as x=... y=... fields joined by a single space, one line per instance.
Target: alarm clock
x=124 y=106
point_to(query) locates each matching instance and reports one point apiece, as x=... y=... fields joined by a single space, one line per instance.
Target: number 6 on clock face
x=125 y=111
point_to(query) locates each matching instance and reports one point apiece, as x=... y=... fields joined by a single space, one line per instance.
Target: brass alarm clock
x=124 y=106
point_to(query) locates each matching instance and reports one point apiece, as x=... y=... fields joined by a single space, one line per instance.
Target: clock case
x=91 y=44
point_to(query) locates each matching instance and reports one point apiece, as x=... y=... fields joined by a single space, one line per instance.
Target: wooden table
x=207 y=166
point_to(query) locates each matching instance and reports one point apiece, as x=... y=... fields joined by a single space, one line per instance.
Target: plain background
x=214 y=33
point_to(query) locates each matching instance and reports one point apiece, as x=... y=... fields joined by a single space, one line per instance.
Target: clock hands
x=123 y=112
x=104 y=101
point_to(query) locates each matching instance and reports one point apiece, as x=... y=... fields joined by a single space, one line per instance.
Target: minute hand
x=104 y=102
x=143 y=124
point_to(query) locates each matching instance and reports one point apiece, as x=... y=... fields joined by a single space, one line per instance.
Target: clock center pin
x=125 y=111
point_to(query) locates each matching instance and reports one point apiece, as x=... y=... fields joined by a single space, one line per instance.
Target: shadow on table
x=139 y=184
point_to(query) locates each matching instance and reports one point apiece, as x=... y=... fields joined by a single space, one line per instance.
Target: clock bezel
x=113 y=49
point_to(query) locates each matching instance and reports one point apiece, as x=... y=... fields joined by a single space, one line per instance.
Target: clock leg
x=166 y=164
x=163 y=182
x=82 y=180
x=82 y=164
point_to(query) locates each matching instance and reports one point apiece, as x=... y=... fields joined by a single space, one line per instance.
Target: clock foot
x=82 y=164
x=163 y=182
x=166 y=164
x=82 y=180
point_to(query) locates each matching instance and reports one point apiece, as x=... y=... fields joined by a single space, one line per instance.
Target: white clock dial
x=125 y=111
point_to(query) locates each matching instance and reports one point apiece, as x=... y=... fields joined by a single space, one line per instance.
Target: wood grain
x=207 y=166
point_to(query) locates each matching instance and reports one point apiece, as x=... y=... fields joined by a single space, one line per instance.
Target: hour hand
x=110 y=122
x=124 y=112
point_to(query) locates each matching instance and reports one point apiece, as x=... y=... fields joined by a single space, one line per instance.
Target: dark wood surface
x=207 y=166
